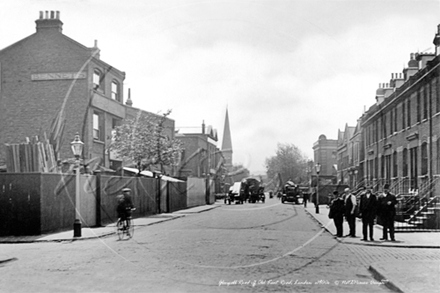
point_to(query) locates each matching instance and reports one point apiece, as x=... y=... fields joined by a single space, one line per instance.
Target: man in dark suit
x=367 y=208
x=337 y=209
x=388 y=209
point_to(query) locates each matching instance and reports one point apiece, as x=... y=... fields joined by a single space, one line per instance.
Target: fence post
x=158 y=194
x=97 y=173
x=168 y=196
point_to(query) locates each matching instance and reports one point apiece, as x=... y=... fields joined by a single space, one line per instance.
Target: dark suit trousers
x=388 y=227
x=338 y=224
x=367 y=226
x=351 y=220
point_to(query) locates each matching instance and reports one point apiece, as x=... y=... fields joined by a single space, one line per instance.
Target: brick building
x=401 y=131
x=201 y=155
x=397 y=141
x=51 y=84
x=325 y=153
x=345 y=154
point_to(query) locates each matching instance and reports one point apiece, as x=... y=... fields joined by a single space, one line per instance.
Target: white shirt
x=353 y=198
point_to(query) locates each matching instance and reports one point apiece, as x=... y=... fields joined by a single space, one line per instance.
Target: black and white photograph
x=186 y=146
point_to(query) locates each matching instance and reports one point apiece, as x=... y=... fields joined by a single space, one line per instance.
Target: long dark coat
x=368 y=206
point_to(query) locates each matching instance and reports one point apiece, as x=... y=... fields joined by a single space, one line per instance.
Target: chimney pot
x=52 y=14
x=58 y=15
x=41 y=14
x=46 y=15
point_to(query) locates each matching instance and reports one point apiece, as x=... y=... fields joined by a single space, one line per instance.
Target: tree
x=289 y=162
x=143 y=142
x=237 y=173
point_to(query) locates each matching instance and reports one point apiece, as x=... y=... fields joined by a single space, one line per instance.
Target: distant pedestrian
x=350 y=209
x=337 y=208
x=367 y=209
x=305 y=198
x=387 y=204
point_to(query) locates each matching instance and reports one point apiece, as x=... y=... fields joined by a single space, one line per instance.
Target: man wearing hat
x=337 y=213
x=350 y=208
x=387 y=204
x=125 y=204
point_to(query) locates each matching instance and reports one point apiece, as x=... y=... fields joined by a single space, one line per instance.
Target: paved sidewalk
x=404 y=239
x=401 y=276
x=98 y=232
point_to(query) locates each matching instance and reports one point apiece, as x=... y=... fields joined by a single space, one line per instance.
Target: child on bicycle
x=125 y=204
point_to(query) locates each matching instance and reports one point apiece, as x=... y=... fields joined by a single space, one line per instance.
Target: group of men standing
x=367 y=206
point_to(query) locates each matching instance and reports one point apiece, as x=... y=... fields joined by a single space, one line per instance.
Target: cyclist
x=125 y=204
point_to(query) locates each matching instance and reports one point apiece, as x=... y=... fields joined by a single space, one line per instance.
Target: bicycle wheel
x=130 y=230
x=120 y=229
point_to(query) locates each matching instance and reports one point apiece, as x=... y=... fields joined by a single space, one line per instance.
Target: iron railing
x=418 y=210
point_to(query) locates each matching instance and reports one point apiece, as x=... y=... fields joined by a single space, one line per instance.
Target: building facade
x=325 y=153
x=401 y=132
x=202 y=158
x=397 y=142
x=52 y=86
x=344 y=155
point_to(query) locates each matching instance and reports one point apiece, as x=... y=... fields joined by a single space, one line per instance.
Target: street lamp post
x=77 y=147
x=318 y=169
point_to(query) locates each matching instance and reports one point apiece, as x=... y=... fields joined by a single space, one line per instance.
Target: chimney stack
x=424 y=58
x=413 y=67
x=396 y=80
x=129 y=102
x=49 y=21
x=380 y=94
x=436 y=41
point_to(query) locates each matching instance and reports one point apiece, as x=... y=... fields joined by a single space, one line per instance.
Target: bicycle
x=125 y=227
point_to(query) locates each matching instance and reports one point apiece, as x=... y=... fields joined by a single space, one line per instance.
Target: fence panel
x=177 y=196
x=196 y=192
x=20 y=204
x=144 y=191
x=57 y=201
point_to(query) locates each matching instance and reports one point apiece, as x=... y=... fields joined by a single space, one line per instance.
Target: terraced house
x=401 y=140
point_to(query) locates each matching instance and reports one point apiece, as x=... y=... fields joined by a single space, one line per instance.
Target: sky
x=286 y=71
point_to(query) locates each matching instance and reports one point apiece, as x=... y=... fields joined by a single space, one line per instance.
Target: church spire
x=227 y=142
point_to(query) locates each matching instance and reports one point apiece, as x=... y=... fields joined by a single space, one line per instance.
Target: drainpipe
x=430 y=139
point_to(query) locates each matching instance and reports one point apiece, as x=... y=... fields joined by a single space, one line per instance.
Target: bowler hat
x=386 y=186
x=126 y=189
x=335 y=192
